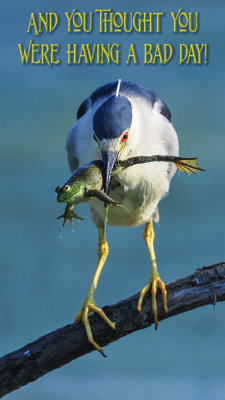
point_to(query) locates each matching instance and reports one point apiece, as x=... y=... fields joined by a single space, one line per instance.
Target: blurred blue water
x=46 y=270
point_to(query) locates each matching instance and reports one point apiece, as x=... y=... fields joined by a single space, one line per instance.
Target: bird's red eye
x=125 y=137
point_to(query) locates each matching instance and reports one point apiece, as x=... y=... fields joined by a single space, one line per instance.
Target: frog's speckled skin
x=83 y=180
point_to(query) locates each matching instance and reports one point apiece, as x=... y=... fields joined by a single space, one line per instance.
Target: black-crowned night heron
x=121 y=120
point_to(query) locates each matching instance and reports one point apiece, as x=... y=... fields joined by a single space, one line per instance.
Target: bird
x=118 y=120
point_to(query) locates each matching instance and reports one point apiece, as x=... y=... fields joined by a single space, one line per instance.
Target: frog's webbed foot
x=69 y=217
x=69 y=214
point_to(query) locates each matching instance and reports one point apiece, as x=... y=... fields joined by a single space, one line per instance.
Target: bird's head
x=111 y=124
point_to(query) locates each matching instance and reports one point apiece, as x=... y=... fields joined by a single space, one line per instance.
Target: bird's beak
x=108 y=158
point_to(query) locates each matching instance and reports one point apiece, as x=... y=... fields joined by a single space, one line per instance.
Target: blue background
x=46 y=270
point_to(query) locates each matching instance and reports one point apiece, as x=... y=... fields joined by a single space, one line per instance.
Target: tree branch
x=51 y=351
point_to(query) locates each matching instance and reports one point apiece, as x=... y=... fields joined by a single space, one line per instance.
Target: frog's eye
x=66 y=188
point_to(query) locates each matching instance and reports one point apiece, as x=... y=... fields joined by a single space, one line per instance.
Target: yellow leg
x=154 y=280
x=89 y=304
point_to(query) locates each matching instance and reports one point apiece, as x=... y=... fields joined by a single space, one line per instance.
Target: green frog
x=86 y=182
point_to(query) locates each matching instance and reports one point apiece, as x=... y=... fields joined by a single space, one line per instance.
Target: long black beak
x=108 y=158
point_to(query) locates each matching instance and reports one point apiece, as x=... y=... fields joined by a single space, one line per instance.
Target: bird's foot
x=153 y=284
x=88 y=307
x=68 y=215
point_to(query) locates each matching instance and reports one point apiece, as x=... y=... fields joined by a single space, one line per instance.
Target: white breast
x=141 y=187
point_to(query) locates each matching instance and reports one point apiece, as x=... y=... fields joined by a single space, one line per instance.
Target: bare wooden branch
x=205 y=286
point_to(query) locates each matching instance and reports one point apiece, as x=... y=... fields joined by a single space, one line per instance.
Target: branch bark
x=51 y=351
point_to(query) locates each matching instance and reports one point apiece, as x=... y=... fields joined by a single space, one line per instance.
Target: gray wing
x=71 y=138
x=71 y=154
x=155 y=216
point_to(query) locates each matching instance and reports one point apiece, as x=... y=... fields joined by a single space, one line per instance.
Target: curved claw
x=87 y=308
x=153 y=284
